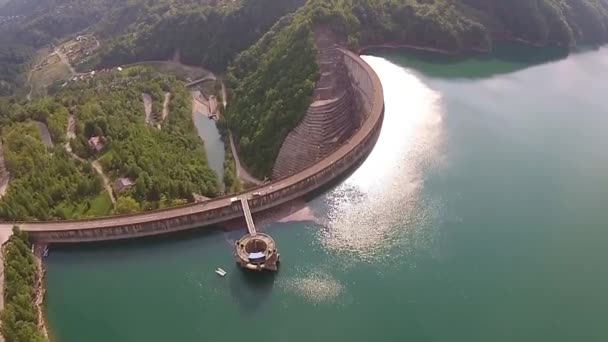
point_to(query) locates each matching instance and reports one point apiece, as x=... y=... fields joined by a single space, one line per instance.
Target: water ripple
x=315 y=287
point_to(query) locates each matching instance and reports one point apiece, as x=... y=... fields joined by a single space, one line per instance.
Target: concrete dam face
x=335 y=114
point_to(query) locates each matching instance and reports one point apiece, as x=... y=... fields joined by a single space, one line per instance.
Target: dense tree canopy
x=45 y=184
x=205 y=31
x=164 y=158
x=276 y=78
x=203 y=35
x=167 y=162
x=212 y=32
x=19 y=319
x=13 y=63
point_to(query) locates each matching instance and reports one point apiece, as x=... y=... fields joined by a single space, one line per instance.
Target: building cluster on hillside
x=6 y=19
x=80 y=47
x=91 y=74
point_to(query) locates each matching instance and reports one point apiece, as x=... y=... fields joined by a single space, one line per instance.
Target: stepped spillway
x=330 y=120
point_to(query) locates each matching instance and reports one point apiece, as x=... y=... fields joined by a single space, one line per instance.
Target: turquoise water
x=214 y=146
x=479 y=216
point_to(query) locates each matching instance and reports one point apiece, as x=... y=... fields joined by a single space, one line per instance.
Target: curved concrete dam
x=365 y=83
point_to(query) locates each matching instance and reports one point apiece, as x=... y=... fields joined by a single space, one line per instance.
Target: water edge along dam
x=366 y=87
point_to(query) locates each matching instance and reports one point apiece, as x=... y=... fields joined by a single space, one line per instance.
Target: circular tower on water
x=257 y=252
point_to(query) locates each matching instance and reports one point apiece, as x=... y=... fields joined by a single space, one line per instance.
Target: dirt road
x=65 y=61
x=147 y=107
x=71 y=134
x=166 y=106
x=3 y=189
x=240 y=170
x=106 y=181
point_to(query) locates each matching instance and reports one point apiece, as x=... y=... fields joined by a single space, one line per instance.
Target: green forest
x=14 y=61
x=212 y=32
x=273 y=82
x=203 y=35
x=19 y=319
x=166 y=163
x=165 y=159
x=207 y=32
x=46 y=184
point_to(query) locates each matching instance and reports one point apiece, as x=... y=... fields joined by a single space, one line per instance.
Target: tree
x=20 y=317
x=126 y=205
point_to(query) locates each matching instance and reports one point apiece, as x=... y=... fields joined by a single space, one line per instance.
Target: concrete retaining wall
x=222 y=209
x=362 y=82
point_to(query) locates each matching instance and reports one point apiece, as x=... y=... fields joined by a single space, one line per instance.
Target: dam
x=349 y=153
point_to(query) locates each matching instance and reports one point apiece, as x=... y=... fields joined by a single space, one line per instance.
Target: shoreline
x=463 y=52
x=366 y=48
x=40 y=292
x=414 y=47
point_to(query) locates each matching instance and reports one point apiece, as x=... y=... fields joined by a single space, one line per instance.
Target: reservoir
x=479 y=216
x=214 y=146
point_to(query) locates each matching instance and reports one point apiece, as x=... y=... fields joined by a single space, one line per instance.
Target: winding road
x=71 y=134
x=241 y=172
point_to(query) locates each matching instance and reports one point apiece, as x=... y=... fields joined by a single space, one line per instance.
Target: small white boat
x=220 y=272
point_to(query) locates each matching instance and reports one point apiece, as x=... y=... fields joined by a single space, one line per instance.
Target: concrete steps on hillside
x=332 y=117
x=326 y=125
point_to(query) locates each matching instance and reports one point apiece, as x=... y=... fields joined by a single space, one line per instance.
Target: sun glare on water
x=315 y=287
x=367 y=212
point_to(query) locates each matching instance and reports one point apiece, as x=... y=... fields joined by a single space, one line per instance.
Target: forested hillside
x=212 y=32
x=165 y=158
x=20 y=315
x=564 y=22
x=168 y=164
x=45 y=184
x=272 y=79
x=273 y=83
x=207 y=32
x=203 y=35
x=14 y=60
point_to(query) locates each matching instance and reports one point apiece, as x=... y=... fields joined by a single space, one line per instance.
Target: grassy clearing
x=47 y=69
x=41 y=79
x=100 y=205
